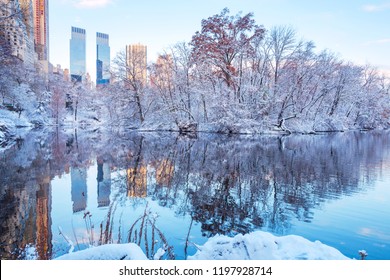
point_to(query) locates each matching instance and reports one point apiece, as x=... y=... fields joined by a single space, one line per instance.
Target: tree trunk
x=75 y=110
x=139 y=106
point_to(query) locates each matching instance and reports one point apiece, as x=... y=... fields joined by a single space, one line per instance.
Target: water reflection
x=104 y=183
x=79 y=188
x=212 y=185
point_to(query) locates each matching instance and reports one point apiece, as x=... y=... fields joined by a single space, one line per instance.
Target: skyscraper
x=102 y=59
x=78 y=54
x=136 y=62
x=41 y=28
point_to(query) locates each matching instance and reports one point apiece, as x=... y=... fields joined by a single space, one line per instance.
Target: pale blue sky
x=356 y=30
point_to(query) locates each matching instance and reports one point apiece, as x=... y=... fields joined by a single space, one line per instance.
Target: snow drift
x=253 y=246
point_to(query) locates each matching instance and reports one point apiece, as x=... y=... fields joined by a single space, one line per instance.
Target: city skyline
x=354 y=30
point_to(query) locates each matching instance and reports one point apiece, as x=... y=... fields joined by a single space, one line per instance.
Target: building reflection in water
x=137 y=181
x=104 y=183
x=37 y=225
x=79 y=188
x=43 y=220
x=164 y=173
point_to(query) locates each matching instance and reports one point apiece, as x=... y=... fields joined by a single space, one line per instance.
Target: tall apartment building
x=136 y=62
x=28 y=18
x=41 y=28
x=78 y=54
x=27 y=31
x=16 y=33
x=102 y=59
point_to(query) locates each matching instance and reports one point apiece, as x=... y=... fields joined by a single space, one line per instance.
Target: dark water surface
x=68 y=191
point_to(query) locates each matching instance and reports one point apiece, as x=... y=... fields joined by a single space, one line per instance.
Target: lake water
x=64 y=191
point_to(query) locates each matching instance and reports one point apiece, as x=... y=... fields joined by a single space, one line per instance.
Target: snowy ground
x=9 y=123
x=253 y=246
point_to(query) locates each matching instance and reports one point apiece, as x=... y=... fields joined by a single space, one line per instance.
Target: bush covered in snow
x=253 y=246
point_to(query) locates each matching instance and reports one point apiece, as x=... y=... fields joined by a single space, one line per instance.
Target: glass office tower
x=78 y=54
x=102 y=59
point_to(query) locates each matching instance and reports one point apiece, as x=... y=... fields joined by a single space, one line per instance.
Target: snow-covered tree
x=223 y=42
x=129 y=69
x=172 y=84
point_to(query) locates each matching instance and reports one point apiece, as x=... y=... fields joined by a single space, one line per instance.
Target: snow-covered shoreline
x=257 y=245
x=11 y=126
x=11 y=123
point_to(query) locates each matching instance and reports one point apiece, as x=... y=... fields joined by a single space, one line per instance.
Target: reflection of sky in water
x=353 y=223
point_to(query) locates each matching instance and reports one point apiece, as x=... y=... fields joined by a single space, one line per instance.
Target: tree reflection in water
x=228 y=185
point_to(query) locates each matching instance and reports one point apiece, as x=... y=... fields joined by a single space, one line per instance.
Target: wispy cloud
x=376 y=7
x=377 y=42
x=383 y=41
x=91 y=4
x=373 y=232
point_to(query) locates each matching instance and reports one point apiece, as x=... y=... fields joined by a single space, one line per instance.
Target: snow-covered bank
x=253 y=127
x=9 y=124
x=129 y=251
x=265 y=246
x=253 y=246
